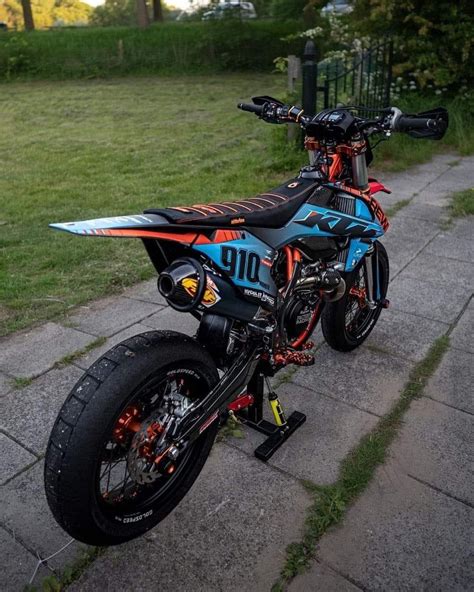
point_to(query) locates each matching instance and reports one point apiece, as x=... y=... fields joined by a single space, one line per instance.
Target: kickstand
x=277 y=432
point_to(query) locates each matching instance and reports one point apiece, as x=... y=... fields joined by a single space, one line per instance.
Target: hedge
x=167 y=48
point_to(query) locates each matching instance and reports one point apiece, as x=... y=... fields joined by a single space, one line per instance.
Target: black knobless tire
x=347 y=323
x=84 y=499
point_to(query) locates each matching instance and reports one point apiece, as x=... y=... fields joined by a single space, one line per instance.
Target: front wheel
x=110 y=475
x=347 y=323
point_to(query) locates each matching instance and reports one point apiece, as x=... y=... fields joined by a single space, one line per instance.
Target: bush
x=184 y=48
x=435 y=40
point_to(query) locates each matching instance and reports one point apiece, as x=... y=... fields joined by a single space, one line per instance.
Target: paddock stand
x=249 y=409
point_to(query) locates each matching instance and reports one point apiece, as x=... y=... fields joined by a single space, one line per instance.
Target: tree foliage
x=46 y=13
x=435 y=39
x=123 y=13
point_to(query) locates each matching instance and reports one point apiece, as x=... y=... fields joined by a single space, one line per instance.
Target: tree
x=11 y=12
x=71 y=12
x=27 y=15
x=288 y=9
x=143 y=20
x=115 y=13
x=157 y=11
x=435 y=40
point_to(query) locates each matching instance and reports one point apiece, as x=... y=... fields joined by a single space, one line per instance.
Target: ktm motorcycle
x=258 y=274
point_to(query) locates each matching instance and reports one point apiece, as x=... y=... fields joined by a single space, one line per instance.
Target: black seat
x=272 y=209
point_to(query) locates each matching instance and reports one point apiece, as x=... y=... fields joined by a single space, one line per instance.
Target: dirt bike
x=258 y=274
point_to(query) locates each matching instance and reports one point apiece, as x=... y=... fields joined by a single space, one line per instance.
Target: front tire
x=347 y=323
x=127 y=384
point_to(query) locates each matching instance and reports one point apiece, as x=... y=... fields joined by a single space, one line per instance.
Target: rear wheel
x=110 y=474
x=347 y=323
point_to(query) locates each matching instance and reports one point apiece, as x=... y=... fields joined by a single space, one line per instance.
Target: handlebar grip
x=406 y=123
x=251 y=108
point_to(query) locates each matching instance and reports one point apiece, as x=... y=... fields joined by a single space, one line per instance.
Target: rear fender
x=163 y=241
x=134 y=226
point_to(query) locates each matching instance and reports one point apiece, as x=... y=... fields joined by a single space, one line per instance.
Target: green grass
x=21 y=382
x=357 y=470
x=462 y=204
x=70 y=358
x=397 y=206
x=70 y=573
x=79 y=150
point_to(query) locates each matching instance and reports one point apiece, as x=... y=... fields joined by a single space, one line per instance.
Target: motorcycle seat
x=272 y=209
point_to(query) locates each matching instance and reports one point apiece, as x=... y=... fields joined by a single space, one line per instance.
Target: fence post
x=294 y=75
x=389 y=73
x=310 y=78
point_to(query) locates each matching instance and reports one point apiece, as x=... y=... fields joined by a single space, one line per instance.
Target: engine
x=316 y=282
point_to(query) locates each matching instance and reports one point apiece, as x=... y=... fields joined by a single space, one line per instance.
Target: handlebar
x=406 y=123
x=432 y=124
x=257 y=109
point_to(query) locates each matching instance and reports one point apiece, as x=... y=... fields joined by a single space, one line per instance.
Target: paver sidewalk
x=411 y=529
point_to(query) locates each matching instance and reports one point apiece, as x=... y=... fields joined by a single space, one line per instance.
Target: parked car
x=3 y=26
x=245 y=10
x=337 y=7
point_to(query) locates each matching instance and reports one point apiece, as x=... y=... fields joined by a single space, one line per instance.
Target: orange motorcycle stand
x=277 y=432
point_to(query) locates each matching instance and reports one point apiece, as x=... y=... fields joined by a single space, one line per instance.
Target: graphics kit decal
x=338 y=223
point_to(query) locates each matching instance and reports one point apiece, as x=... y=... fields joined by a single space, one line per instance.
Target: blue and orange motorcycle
x=258 y=274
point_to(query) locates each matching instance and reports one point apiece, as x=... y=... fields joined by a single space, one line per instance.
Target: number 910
x=240 y=263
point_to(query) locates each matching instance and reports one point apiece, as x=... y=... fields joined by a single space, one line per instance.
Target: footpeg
x=294 y=357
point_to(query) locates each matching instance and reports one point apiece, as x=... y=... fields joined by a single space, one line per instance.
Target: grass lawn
x=86 y=149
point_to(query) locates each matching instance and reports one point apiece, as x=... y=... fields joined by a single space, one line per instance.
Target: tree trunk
x=157 y=11
x=27 y=15
x=142 y=14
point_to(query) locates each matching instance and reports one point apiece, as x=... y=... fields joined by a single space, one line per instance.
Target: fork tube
x=369 y=279
x=359 y=171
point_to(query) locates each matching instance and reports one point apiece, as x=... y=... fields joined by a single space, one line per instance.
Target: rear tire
x=341 y=334
x=84 y=438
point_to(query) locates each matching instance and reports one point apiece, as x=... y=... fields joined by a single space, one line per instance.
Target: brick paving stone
x=35 y=351
x=405 y=238
x=453 y=381
x=170 y=319
x=453 y=247
x=5 y=384
x=224 y=535
x=462 y=336
x=24 y=505
x=17 y=564
x=315 y=450
x=13 y=459
x=405 y=335
x=402 y=535
x=110 y=315
x=321 y=578
x=428 y=299
x=28 y=414
x=85 y=361
x=447 y=272
x=146 y=291
x=369 y=380
x=435 y=445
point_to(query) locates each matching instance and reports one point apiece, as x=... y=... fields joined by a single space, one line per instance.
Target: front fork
x=372 y=280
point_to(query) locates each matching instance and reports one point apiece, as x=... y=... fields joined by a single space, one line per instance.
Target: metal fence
x=361 y=79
